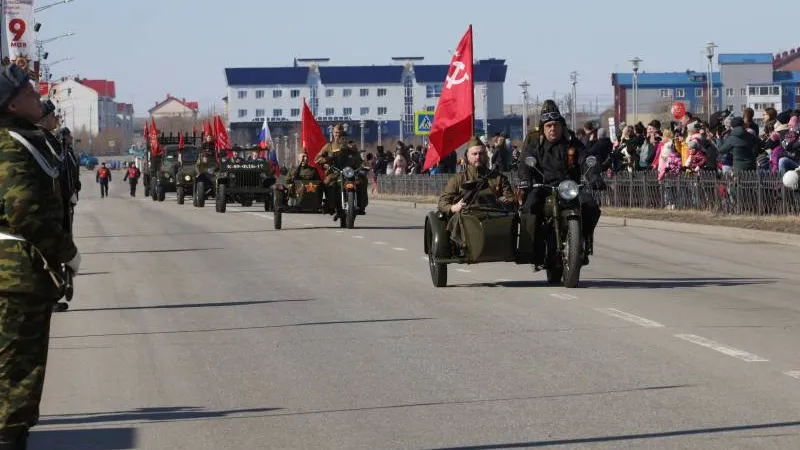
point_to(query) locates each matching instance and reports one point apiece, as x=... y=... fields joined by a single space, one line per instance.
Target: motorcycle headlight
x=187 y=178
x=348 y=172
x=568 y=190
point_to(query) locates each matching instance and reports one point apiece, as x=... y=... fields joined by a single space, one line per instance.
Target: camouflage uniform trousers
x=24 y=336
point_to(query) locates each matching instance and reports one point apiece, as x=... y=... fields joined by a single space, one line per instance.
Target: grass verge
x=781 y=224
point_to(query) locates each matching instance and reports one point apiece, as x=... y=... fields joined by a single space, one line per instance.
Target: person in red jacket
x=103 y=177
x=132 y=176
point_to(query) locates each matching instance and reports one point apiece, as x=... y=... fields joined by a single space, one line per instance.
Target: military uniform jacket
x=498 y=186
x=32 y=208
x=304 y=173
x=341 y=157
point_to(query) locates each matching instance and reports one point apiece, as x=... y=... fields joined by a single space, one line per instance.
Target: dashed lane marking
x=464 y=270
x=724 y=349
x=399 y=249
x=358 y=237
x=641 y=321
x=793 y=373
x=384 y=243
x=564 y=296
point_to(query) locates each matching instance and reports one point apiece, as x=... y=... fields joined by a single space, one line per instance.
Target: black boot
x=18 y=443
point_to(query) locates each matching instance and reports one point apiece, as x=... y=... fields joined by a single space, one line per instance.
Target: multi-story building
x=125 y=121
x=754 y=80
x=385 y=96
x=657 y=92
x=86 y=105
x=174 y=107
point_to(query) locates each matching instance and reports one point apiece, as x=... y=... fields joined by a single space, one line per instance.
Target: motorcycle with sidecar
x=303 y=197
x=496 y=233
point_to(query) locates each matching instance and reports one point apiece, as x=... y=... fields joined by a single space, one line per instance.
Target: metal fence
x=748 y=193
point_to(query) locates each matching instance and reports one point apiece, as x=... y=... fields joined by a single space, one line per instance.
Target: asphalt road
x=197 y=330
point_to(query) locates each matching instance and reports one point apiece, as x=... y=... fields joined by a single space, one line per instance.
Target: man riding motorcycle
x=496 y=188
x=339 y=154
x=560 y=156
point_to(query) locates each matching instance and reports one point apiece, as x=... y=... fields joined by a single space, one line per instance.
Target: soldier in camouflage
x=33 y=245
x=496 y=187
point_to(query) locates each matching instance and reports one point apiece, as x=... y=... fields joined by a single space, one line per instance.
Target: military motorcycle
x=349 y=207
x=287 y=200
x=495 y=232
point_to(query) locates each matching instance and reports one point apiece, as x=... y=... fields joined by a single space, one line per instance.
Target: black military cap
x=12 y=80
x=47 y=108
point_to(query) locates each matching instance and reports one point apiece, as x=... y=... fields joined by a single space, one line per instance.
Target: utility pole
x=524 y=85
x=573 y=78
x=361 y=127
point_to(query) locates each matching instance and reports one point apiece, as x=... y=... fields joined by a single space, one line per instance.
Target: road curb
x=742 y=234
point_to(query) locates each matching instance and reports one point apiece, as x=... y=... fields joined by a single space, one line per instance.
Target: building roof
x=782 y=59
x=786 y=77
x=194 y=106
x=261 y=76
x=745 y=58
x=664 y=79
x=491 y=71
x=104 y=88
x=487 y=70
x=361 y=74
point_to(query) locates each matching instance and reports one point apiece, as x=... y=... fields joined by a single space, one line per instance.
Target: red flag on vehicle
x=154 y=147
x=311 y=137
x=455 y=112
x=223 y=142
x=180 y=142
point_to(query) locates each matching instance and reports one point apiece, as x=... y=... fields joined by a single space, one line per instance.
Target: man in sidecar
x=492 y=189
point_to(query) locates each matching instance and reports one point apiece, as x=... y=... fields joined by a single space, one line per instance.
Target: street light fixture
x=710 y=46
x=45 y=41
x=42 y=8
x=635 y=61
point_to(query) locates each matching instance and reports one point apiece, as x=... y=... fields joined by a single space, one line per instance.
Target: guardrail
x=748 y=193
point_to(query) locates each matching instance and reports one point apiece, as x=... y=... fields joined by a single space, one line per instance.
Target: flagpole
x=472 y=54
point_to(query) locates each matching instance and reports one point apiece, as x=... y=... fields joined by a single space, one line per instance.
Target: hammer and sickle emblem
x=453 y=79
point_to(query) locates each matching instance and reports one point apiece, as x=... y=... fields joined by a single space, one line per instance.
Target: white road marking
x=647 y=323
x=358 y=237
x=564 y=296
x=260 y=215
x=502 y=280
x=308 y=224
x=384 y=243
x=724 y=349
x=399 y=249
x=793 y=374
x=425 y=258
x=339 y=231
x=464 y=270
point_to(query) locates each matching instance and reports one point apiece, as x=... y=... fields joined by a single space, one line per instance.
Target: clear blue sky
x=154 y=47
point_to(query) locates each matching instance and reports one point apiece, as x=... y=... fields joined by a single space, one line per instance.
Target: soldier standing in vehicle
x=103 y=177
x=496 y=187
x=132 y=176
x=33 y=244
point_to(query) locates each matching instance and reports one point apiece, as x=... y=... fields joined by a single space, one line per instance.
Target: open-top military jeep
x=244 y=182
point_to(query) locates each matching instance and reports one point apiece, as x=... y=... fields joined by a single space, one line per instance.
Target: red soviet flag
x=455 y=112
x=311 y=137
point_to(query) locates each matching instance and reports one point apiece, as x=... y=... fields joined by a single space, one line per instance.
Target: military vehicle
x=245 y=181
x=161 y=169
x=187 y=158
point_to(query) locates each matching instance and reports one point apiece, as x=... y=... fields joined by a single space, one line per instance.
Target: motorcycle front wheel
x=573 y=260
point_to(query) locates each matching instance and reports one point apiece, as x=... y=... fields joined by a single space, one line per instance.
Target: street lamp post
x=635 y=61
x=361 y=127
x=380 y=133
x=484 y=95
x=524 y=85
x=573 y=78
x=710 y=55
x=285 y=149
x=401 y=128
x=297 y=143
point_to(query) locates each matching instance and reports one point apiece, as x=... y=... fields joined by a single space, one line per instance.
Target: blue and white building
x=754 y=80
x=385 y=96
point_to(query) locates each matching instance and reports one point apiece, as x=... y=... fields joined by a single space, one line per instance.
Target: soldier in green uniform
x=340 y=154
x=496 y=187
x=302 y=172
x=205 y=170
x=33 y=246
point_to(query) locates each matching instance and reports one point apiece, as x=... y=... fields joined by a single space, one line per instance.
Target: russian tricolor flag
x=264 y=138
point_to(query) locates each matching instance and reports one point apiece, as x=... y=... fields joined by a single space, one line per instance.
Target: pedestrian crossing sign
x=423 y=121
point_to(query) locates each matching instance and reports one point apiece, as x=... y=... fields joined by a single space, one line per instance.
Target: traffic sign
x=423 y=121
